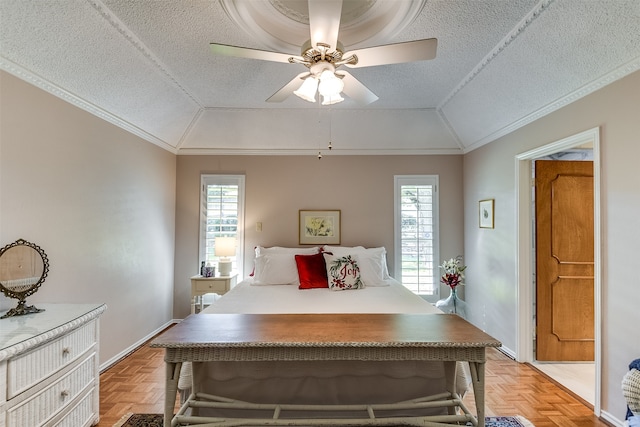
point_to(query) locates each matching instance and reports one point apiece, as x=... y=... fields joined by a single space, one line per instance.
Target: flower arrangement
x=453 y=272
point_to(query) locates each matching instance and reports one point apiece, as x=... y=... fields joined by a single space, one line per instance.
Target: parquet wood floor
x=136 y=384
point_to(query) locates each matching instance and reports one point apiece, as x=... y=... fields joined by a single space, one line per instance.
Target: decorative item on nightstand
x=225 y=247
x=209 y=270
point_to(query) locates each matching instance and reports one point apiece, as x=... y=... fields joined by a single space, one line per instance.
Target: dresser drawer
x=42 y=406
x=81 y=415
x=210 y=286
x=32 y=367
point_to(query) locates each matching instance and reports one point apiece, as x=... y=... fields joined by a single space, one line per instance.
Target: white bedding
x=246 y=297
x=350 y=382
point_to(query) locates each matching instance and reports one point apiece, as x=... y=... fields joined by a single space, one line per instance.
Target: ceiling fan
x=323 y=54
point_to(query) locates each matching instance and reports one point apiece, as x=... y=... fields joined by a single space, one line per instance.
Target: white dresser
x=49 y=367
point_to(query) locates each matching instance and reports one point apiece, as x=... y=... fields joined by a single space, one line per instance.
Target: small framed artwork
x=486 y=213
x=319 y=227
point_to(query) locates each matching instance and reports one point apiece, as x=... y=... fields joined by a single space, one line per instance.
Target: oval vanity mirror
x=23 y=268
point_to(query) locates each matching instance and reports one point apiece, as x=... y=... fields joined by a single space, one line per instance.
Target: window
x=416 y=234
x=222 y=213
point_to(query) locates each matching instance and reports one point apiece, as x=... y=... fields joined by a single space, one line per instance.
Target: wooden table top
x=325 y=330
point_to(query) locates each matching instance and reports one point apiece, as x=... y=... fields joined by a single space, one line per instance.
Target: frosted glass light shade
x=331 y=99
x=330 y=85
x=307 y=90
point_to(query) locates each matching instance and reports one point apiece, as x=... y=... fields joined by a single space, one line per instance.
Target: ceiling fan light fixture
x=331 y=99
x=308 y=88
x=330 y=85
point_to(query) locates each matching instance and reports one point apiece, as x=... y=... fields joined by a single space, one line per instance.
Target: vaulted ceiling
x=147 y=66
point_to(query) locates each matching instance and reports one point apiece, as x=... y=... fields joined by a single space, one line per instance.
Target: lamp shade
x=225 y=246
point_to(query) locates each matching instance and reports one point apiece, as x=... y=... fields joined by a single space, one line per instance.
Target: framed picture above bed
x=319 y=227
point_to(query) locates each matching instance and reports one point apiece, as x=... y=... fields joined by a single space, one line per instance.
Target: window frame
x=399 y=182
x=223 y=179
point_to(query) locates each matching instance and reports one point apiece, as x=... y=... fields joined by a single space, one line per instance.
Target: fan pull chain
x=330 y=146
x=330 y=116
x=319 y=127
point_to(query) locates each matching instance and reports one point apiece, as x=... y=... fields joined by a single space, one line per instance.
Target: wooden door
x=564 y=260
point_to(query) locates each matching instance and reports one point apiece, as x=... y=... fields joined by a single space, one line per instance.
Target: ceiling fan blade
x=324 y=22
x=288 y=89
x=356 y=90
x=418 y=50
x=244 y=52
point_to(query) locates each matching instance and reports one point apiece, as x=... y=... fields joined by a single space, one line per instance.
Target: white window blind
x=416 y=234
x=222 y=213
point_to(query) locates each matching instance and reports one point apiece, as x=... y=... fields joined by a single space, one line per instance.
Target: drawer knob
x=66 y=351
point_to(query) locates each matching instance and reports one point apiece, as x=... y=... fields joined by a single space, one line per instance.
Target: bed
x=290 y=282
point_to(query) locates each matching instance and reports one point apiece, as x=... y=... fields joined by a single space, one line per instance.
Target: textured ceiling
x=146 y=66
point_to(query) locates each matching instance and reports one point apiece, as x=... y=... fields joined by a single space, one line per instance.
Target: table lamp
x=224 y=248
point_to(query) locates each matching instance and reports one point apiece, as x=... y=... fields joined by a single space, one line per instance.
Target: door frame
x=526 y=254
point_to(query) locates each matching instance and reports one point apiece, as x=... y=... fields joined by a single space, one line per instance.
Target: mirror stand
x=23 y=268
x=22 y=309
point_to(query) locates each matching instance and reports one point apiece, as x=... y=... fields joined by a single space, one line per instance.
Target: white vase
x=453 y=305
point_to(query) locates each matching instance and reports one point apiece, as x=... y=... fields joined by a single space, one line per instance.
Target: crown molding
x=617 y=74
x=307 y=152
x=324 y=110
x=39 y=82
x=450 y=129
x=500 y=47
x=128 y=35
x=187 y=131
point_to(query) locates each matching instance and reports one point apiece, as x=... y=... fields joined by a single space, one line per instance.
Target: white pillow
x=261 y=250
x=277 y=265
x=276 y=269
x=372 y=262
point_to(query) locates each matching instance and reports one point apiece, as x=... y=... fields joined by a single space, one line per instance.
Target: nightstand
x=209 y=285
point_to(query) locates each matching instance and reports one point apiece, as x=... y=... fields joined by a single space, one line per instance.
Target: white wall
x=99 y=201
x=489 y=172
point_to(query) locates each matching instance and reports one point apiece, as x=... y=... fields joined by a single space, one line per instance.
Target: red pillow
x=312 y=271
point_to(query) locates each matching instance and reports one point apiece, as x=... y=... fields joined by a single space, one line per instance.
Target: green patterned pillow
x=342 y=272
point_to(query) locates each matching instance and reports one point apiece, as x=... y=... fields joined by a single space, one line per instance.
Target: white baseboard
x=508 y=352
x=124 y=353
x=611 y=419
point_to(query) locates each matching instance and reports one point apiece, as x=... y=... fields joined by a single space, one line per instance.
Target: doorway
x=526 y=250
